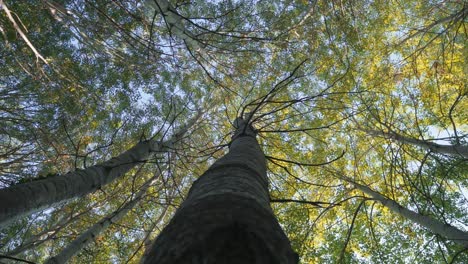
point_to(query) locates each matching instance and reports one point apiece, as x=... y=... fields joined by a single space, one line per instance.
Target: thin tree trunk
x=45 y=235
x=453 y=150
x=22 y=199
x=88 y=236
x=435 y=226
x=173 y=20
x=147 y=243
x=227 y=217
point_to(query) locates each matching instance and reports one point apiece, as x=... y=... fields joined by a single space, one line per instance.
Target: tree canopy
x=359 y=106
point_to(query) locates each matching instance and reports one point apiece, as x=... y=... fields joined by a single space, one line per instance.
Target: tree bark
x=226 y=217
x=22 y=199
x=435 y=226
x=453 y=150
x=148 y=242
x=173 y=20
x=88 y=236
x=45 y=235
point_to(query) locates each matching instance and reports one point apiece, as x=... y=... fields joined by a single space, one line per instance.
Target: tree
x=443 y=229
x=25 y=198
x=227 y=217
x=454 y=150
x=84 y=239
x=371 y=89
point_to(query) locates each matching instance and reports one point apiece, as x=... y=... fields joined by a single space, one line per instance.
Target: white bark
x=435 y=226
x=23 y=199
x=453 y=150
x=45 y=235
x=88 y=236
x=173 y=20
x=148 y=241
x=20 y=32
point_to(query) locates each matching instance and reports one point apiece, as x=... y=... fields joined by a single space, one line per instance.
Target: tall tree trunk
x=226 y=217
x=46 y=234
x=173 y=20
x=435 y=226
x=148 y=242
x=22 y=199
x=88 y=236
x=453 y=150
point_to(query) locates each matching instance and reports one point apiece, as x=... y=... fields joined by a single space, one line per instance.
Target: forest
x=233 y=131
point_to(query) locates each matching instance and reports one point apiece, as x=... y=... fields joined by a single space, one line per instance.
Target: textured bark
x=226 y=217
x=453 y=150
x=435 y=226
x=88 y=236
x=22 y=199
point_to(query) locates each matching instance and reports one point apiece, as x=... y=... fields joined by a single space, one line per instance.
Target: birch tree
x=443 y=229
x=453 y=150
x=87 y=236
x=21 y=199
x=313 y=72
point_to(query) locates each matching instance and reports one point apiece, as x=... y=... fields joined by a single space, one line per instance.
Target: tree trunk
x=22 y=199
x=173 y=20
x=453 y=150
x=45 y=235
x=435 y=226
x=88 y=236
x=226 y=217
x=147 y=242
